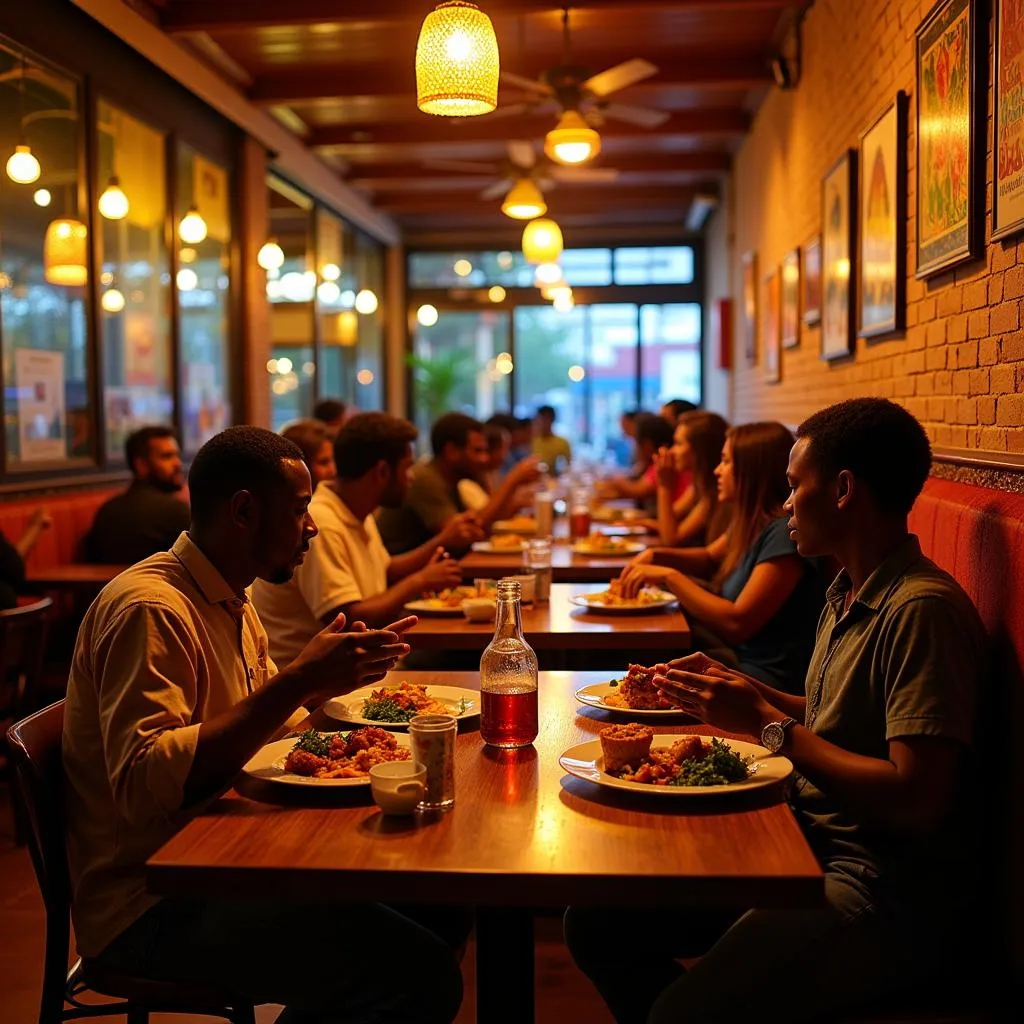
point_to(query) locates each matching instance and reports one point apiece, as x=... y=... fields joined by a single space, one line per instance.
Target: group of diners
x=287 y=588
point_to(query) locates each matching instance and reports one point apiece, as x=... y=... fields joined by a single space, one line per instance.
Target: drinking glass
x=433 y=746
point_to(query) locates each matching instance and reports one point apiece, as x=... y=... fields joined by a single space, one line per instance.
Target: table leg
x=504 y=965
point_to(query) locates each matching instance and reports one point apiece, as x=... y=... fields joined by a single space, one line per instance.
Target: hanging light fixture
x=271 y=255
x=457 y=62
x=427 y=315
x=114 y=203
x=112 y=300
x=192 y=229
x=42 y=197
x=22 y=166
x=524 y=201
x=366 y=302
x=64 y=252
x=542 y=241
x=572 y=141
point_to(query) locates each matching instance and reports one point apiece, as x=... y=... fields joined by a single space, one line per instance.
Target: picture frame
x=811 y=282
x=749 y=307
x=881 y=222
x=838 y=257
x=770 y=329
x=950 y=131
x=1008 y=120
x=789 y=317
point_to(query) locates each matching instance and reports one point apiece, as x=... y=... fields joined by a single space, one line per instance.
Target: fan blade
x=545 y=184
x=464 y=166
x=509 y=110
x=627 y=73
x=521 y=153
x=584 y=175
x=643 y=116
x=499 y=188
x=530 y=84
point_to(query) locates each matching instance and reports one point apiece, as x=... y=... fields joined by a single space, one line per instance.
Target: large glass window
x=670 y=340
x=661 y=264
x=469 y=269
x=369 y=375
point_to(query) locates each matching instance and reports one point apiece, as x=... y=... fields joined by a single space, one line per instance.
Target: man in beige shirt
x=171 y=691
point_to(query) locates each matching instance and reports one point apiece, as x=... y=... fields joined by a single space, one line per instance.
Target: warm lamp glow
x=366 y=302
x=270 y=256
x=113 y=202
x=328 y=292
x=427 y=315
x=42 y=197
x=503 y=363
x=112 y=300
x=365 y=377
x=457 y=62
x=187 y=279
x=573 y=141
x=192 y=229
x=496 y=293
x=843 y=269
x=548 y=273
x=523 y=201
x=463 y=268
x=542 y=241
x=576 y=373
x=330 y=272
x=64 y=253
x=22 y=166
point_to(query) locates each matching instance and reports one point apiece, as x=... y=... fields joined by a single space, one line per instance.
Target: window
x=587 y=267
x=458 y=269
x=369 y=374
x=670 y=353
x=47 y=406
x=664 y=264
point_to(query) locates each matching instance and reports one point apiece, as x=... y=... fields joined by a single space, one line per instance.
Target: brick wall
x=959 y=365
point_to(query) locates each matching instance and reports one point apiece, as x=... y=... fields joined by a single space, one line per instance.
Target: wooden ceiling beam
x=243 y=15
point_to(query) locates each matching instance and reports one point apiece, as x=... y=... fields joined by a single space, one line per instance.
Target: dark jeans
x=327 y=963
x=774 y=965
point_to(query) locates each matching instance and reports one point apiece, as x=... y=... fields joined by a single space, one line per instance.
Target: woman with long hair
x=761 y=609
x=315 y=440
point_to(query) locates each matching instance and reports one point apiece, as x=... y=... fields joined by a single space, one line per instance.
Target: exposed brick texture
x=959 y=365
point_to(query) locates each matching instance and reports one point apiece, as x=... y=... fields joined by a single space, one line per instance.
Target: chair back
x=35 y=748
x=23 y=633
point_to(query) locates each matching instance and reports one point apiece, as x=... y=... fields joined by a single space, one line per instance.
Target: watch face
x=772 y=736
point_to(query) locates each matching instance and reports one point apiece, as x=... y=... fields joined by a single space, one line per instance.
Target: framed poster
x=838 y=256
x=812 y=281
x=882 y=216
x=770 y=330
x=1008 y=139
x=790 y=315
x=748 y=316
x=949 y=129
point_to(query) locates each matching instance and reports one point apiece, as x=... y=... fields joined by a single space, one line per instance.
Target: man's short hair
x=547 y=410
x=679 y=406
x=237 y=459
x=654 y=429
x=630 y=415
x=879 y=442
x=137 y=444
x=453 y=428
x=309 y=435
x=369 y=437
x=505 y=420
x=496 y=436
x=327 y=410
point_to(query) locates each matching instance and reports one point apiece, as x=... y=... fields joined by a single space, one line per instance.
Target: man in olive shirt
x=881 y=742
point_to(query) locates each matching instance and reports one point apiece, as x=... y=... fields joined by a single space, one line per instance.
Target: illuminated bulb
x=496 y=294
x=542 y=241
x=106 y=278
x=187 y=255
x=112 y=300
x=463 y=268
x=576 y=373
x=348 y=298
x=271 y=255
x=284 y=365
x=790 y=273
x=503 y=363
x=42 y=197
x=271 y=366
x=573 y=141
x=22 y=167
x=563 y=301
x=843 y=269
x=365 y=377
x=328 y=292
x=187 y=279
x=548 y=273
x=114 y=203
x=192 y=229
x=366 y=302
x=524 y=201
x=427 y=315
x=330 y=272
x=64 y=252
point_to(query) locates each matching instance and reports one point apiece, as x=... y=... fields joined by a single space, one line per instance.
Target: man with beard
x=348 y=570
x=171 y=692
x=149 y=515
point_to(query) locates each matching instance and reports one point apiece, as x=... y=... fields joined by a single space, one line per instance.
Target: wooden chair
x=35 y=746
x=23 y=632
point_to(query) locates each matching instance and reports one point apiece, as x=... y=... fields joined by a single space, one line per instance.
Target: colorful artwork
x=812 y=281
x=791 y=299
x=770 y=329
x=882 y=216
x=837 y=319
x=748 y=323
x=946 y=110
x=1008 y=144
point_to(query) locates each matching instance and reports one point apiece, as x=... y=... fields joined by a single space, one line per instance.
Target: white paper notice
x=41 y=416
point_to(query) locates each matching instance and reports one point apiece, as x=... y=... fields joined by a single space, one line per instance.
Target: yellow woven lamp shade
x=457 y=62
x=64 y=252
x=542 y=241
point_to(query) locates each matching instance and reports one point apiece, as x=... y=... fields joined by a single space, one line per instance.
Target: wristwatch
x=773 y=735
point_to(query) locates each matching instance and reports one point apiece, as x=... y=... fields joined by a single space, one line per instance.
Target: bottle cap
x=509 y=589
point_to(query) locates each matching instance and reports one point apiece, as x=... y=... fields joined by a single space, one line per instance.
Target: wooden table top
x=73 y=574
x=562 y=626
x=522 y=833
x=566 y=565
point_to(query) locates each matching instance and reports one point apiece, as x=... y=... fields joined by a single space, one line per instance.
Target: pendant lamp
x=573 y=141
x=542 y=241
x=114 y=203
x=524 y=201
x=192 y=229
x=64 y=253
x=457 y=62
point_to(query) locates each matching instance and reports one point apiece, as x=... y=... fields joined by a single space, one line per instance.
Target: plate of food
x=517 y=524
x=340 y=759
x=649 y=599
x=601 y=544
x=633 y=757
x=611 y=514
x=501 y=544
x=393 y=706
x=635 y=694
x=443 y=602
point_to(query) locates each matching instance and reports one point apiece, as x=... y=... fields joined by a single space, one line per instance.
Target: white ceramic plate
x=268 y=763
x=488 y=547
x=514 y=526
x=610 y=514
x=434 y=606
x=630 y=547
x=350 y=707
x=664 y=600
x=594 y=696
x=585 y=762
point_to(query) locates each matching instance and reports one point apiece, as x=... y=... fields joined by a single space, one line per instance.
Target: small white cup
x=398 y=786
x=527 y=587
x=479 y=609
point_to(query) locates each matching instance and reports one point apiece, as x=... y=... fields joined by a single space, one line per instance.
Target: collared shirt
x=166 y=646
x=429 y=504
x=346 y=562
x=906 y=659
x=135 y=524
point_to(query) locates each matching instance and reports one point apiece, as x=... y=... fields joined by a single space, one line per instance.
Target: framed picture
x=838 y=254
x=790 y=317
x=748 y=314
x=1008 y=139
x=881 y=270
x=770 y=329
x=812 y=281
x=950 y=129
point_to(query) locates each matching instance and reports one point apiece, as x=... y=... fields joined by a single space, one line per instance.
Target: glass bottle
x=508 y=677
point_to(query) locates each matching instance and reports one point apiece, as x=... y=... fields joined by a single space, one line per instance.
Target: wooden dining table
x=523 y=834
x=566 y=565
x=73 y=576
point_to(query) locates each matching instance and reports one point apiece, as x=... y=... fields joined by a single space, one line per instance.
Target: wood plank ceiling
x=341 y=74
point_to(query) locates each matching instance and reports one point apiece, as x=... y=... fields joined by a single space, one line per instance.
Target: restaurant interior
x=218 y=213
